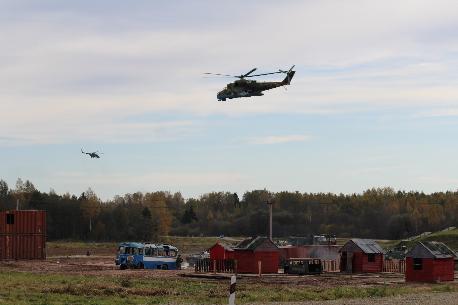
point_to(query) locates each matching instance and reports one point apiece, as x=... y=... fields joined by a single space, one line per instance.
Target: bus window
x=121 y=250
x=148 y=251
x=173 y=253
x=140 y=251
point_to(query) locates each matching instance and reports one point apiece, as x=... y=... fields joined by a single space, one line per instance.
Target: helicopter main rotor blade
x=264 y=74
x=246 y=74
x=219 y=74
x=283 y=71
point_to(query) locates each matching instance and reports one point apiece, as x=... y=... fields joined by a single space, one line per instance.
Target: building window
x=371 y=257
x=417 y=264
x=10 y=219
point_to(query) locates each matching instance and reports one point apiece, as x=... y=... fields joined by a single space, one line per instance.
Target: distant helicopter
x=246 y=88
x=92 y=154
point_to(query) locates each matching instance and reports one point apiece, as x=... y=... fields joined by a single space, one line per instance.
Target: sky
x=374 y=101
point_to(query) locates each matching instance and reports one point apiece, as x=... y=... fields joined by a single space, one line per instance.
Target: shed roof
x=226 y=247
x=368 y=246
x=431 y=249
x=253 y=243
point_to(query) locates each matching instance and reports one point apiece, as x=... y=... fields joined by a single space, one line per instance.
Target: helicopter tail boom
x=289 y=77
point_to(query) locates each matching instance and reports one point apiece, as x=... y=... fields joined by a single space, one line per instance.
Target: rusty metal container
x=23 y=222
x=22 y=235
x=22 y=247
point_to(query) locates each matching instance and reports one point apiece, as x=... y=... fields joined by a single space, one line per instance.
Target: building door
x=343 y=262
x=349 y=263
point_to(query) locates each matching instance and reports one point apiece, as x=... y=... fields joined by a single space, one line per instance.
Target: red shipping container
x=22 y=235
x=23 y=222
x=13 y=247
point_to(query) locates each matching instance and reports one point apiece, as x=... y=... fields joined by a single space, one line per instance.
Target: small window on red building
x=371 y=257
x=417 y=264
x=10 y=219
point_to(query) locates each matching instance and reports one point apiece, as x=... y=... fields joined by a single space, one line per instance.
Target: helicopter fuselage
x=246 y=88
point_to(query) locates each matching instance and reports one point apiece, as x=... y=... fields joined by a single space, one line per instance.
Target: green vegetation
x=377 y=213
x=450 y=238
x=28 y=288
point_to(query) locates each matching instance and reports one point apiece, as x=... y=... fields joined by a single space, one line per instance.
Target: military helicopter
x=92 y=154
x=245 y=88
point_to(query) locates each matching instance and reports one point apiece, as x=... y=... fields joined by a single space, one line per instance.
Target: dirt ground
x=448 y=298
x=99 y=265
x=104 y=265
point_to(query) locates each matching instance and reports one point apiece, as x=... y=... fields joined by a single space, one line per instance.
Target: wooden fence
x=219 y=265
x=330 y=265
x=394 y=265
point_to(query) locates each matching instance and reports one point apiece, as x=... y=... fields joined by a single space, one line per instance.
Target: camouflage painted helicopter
x=92 y=154
x=246 y=88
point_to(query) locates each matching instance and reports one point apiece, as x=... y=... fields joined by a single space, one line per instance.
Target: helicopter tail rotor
x=289 y=76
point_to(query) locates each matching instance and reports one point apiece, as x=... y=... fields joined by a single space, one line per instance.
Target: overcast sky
x=373 y=102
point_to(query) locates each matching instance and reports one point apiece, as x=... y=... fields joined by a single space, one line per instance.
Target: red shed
x=250 y=251
x=430 y=261
x=361 y=255
x=23 y=234
x=221 y=251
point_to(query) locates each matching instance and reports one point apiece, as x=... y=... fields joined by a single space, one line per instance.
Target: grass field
x=450 y=238
x=68 y=279
x=29 y=288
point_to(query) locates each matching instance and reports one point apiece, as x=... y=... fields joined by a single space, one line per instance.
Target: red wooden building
x=221 y=251
x=361 y=255
x=430 y=261
x=22 y=234
x=254 y=250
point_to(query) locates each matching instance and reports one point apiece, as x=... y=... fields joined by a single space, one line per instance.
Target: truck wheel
x=165 y=267
x=122 y=267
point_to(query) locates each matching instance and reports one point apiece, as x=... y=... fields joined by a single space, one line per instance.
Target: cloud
x=73 y=67
x=440 y=112
x=279 y=139
x=99 y=131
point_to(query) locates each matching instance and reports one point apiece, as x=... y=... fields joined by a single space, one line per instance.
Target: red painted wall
x=218 y=252
x=434 y=270
x=247 y=261
x=361 y=263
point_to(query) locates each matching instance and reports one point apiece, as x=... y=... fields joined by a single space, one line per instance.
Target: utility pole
x=270 y=203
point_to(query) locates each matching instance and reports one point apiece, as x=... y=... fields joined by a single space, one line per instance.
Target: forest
x=381 y=213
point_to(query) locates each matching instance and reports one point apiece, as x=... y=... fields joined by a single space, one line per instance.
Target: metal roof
x=252 y=243
x=432 y=248
x=226 y=246
x=367 y=245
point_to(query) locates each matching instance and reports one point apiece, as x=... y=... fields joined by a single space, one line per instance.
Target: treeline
x=376 y=213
